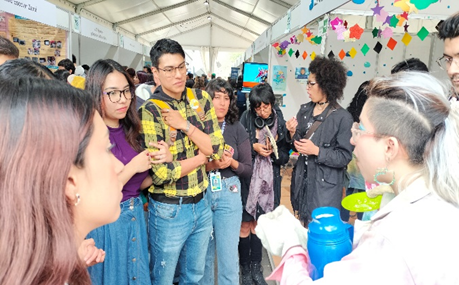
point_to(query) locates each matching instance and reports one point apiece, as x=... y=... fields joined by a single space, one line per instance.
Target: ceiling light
x=209 y=18
x=206 y=2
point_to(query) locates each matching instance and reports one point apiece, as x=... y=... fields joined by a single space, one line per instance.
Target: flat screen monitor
x=253 y=73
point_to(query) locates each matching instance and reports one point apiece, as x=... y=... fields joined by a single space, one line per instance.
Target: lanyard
x=223 y=127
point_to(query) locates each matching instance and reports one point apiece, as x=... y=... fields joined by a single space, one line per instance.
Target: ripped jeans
x=175 y=231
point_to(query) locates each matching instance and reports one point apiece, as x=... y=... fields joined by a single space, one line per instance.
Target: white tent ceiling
x=234 y=24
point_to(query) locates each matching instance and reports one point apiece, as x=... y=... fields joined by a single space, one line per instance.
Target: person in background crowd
x=61 y=75
x=67 y=64
x=144 y=77
x=8 y=50
x=24 y=67
x=212 y=76
x=199 y=84
x=189 y=80
x=413 y=64
x=180 y=221
x=204 y=77
x=356 y=181
x=321 y=134
x=449 y=33
x=262 y=191
x=147 y=69
x=241 y=97
x=132 y=74
x=86 y=69
x=113 y=92
x=225 y=202
x=53 y=197
x=406 y=139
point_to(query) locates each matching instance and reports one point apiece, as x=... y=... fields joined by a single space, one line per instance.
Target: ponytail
x=442 y=158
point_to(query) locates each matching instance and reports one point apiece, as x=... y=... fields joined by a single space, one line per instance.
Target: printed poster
x=279 y=78
x=301 y=74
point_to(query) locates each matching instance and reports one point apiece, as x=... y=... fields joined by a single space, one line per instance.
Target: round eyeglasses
x=115 y=95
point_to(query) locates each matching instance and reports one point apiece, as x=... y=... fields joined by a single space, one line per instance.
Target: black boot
x=257 y=273
x=244 y=261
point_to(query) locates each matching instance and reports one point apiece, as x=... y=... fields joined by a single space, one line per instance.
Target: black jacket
x=320 y=182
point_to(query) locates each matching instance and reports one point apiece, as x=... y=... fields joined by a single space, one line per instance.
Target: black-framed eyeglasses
x=311 y=83
x=445 y=62
x=115 y=95
x=170 y=71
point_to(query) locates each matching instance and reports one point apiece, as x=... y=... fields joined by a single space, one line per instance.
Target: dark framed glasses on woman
x=115 y=95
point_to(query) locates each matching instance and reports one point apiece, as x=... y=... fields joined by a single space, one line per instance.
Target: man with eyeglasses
x=449 y=32
x=180 y=221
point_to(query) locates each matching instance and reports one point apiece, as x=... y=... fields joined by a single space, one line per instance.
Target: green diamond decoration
x=365 y=49
x=423 y=33
x=290 y=52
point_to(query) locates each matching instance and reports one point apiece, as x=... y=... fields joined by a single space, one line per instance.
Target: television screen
x=253 y=73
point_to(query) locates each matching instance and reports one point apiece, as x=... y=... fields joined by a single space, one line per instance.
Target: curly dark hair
x=330 y=76
x=449 y=28
x=223 y=86
x=414 y=64
x=356 y=105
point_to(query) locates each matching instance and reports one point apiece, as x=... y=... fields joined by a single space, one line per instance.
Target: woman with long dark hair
x=113 y=91
x=57 y=182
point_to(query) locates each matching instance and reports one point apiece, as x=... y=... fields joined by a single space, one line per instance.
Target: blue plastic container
x=329 y=239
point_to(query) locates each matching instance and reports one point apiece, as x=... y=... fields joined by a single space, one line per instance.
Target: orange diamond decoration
x=305 y=55
x=392 y=43
x=342 y=54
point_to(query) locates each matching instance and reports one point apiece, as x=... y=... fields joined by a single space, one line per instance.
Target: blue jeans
x=175 y=231
x=126 y=246
x=226 y=206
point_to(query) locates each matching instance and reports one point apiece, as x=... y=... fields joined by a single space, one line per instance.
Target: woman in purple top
x=224 y=191
x=125 y=241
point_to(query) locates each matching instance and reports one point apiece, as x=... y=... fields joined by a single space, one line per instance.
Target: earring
x=77 y=199
x=382 y=172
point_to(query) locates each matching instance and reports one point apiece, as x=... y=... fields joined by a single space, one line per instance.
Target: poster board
x=36 y=41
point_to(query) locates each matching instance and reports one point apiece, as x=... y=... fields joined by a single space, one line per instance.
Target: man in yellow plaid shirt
x=180 y=220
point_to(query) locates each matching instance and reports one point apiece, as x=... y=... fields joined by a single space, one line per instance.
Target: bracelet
x=188 y=125
x=192 y=131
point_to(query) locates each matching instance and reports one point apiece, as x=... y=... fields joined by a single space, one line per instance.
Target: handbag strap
x=316 y=124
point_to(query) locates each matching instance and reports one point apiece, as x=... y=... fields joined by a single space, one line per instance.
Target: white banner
x=97 y=32
x=262 y=41
x=132 y=45
x=76 y=23
x=37 y=10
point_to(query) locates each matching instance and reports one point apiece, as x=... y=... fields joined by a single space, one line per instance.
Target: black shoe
x=257 y=274
x=246 y=276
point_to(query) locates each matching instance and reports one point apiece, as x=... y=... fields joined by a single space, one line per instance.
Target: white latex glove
x=279 y=230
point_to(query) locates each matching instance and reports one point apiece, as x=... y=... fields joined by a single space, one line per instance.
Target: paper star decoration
x=404 y=15
x=387 y=21
x=293 y=40
x=347 y=37
x=375 y=32
x=387 y=33
x=335 y=22
x=377 y=9
x=382 y=17
x=305 y=30
x=393 y=21
x=339 y=30
x=300 y=38
x=407 y=6
x=401 y=20
x=317 y=40
x=345 y=24
x=406 y=27
x=356 y=32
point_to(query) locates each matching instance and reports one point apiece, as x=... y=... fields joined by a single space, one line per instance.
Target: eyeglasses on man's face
x=115 y=95
x=170 y=71
x=445 y=62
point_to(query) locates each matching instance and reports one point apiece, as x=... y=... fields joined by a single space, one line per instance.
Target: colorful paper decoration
x=401 y=20
x=382 y=17
x=423 y=4
x=387 y=21
x=293 y=40
x=305 y=55
x=378 y=47
x=284 y=44
x=275 y=45
x=393 y=21
x=345 y=24
x=290 y=52
x=406 y=39
x=347 y=37
x=377 y=9
x=331 y=54
x=317 y=40
x=313 y=55
x=342 y=54
x=297 y=53
x=423 y=33
x=353 y=52
x=356 y=32
x=336 y=22
x=392 y=43
x=375 y=32
x=305 y=30
x=365 y=49
x=300 y=38
x=407 y=6
x=404 y=15
x=387 y=33
x=406 y=27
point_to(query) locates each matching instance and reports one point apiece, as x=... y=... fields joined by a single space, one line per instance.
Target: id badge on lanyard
x=215 y=176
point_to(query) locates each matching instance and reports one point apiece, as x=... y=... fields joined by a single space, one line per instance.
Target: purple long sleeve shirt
x=125 y=153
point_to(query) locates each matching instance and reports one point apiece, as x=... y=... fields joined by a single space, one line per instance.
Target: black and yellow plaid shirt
x=166 y=176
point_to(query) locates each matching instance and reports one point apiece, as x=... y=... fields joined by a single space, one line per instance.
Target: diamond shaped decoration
x=297 y=53
x=406 y=39
x=365 y=49
x=305 y=55
x=423 y=33
x=290 y=52
x=342 y=54
x=313 y=55
x=353 y=52
x=392 y=43
x=378 y=47
x=331 y=54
